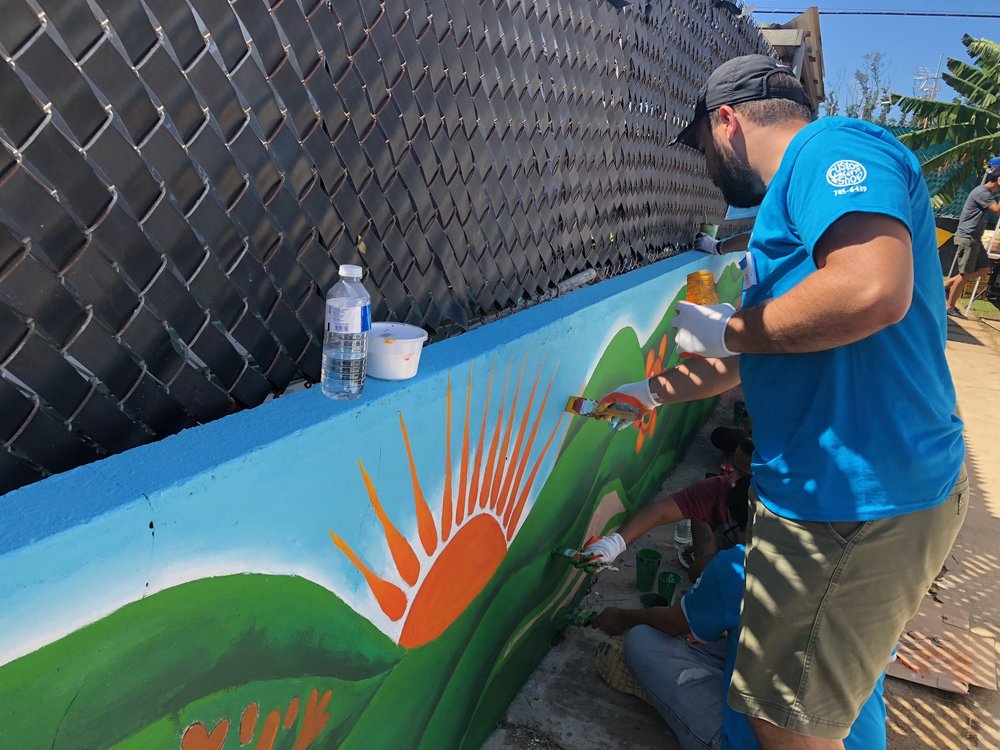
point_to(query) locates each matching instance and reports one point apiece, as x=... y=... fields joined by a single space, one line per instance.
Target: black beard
x=740 y=185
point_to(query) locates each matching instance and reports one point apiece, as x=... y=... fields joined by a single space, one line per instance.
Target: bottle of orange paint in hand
x=701 y=288
x=701 y=291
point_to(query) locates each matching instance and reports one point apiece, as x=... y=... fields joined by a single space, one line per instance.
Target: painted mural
x=320 y=575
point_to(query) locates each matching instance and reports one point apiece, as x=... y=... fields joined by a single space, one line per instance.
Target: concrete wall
x=313 y=573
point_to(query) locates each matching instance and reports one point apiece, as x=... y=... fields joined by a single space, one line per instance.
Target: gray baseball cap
x=742 y=79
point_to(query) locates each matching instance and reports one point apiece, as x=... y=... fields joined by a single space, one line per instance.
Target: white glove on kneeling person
x=706 y=243
x=601 y=551
x=701 y=329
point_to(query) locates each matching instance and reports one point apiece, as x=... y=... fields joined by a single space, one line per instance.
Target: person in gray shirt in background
x=971 y=258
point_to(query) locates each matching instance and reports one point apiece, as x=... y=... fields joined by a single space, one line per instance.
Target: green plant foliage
x=969 y=127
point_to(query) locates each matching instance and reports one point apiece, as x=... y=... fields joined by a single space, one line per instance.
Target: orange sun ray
x=389 y=596
x=499 y=471
x=464 y=468
x=515 y=456
x=425 y=520
x=402 y=553
x=527 y=452
x=491 y=458
x=474 y=481
x=516 y=516
x=446 y=500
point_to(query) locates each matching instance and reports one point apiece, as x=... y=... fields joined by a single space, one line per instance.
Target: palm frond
x=985 y=52
x=944 y=112
x=947 y=193
x=964 y=132
x=965 y=152
x=984 y=77
x=931 y=136
x=978 y=86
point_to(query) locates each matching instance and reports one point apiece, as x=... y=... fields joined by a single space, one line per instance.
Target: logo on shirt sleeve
x=847 y=175
x=846 y=172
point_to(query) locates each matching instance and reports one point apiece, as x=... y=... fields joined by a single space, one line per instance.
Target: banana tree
x=968 y=128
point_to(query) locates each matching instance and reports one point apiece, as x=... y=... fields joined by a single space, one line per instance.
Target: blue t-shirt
x=712 y=607
x=867 y=430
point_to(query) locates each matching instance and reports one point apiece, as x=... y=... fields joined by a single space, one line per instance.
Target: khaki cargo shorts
x=824 y=606
x=971 y=255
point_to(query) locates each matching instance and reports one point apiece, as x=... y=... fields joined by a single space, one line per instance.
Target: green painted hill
x=152 y=658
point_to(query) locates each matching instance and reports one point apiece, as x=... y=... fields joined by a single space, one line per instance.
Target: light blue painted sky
x=906 y=42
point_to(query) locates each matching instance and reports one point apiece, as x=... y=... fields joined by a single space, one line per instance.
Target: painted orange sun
x=464 y=545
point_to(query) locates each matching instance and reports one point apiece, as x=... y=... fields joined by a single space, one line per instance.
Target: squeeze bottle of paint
x=345 y=335
x=701 y=288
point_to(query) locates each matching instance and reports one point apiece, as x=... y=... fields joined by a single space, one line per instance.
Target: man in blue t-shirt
x=687 y=683
x=839 y=345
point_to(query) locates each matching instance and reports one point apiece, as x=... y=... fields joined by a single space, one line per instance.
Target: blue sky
x=906 y=42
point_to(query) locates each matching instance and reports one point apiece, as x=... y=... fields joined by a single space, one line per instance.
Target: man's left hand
x=701 y=329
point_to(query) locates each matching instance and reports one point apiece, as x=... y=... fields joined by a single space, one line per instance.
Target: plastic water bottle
x=682 y=534
x=345 y=336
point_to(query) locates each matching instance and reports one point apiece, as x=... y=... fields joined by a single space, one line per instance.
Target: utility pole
x=925 y=85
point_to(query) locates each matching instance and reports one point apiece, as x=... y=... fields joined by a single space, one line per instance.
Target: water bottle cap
x=351 y=272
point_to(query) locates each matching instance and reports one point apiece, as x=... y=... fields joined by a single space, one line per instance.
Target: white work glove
x=629 y=397
x=701 y=329
x=706 y=243
x=639 y=390
x=602 y=550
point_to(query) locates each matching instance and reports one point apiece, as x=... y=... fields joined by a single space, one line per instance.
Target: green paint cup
x=652 y=600
x=666 y=584
x=646 y=563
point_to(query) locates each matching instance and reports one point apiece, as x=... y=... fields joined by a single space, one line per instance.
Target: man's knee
x=637 y=643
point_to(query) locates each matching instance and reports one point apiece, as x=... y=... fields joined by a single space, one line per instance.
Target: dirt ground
x=564 y=704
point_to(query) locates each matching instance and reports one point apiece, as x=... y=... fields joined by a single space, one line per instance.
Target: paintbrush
x=587 y=407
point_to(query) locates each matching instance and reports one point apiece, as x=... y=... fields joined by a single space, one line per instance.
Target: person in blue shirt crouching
x=687 y=683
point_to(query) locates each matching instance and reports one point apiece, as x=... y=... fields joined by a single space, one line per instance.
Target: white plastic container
x=394 y=350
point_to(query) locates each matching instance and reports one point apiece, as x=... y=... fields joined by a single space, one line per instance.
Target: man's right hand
x=635 y=398
x=613 y=621
x=601 y=550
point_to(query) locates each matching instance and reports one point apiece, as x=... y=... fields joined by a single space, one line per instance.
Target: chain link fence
x=180 y=181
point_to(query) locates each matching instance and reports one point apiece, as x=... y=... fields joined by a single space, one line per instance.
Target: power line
x=910 y=13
